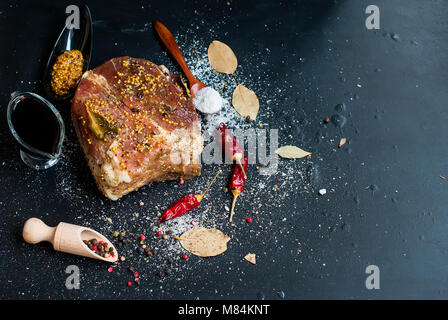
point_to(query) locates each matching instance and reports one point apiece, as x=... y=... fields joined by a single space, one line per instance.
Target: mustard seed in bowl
x=66 y=72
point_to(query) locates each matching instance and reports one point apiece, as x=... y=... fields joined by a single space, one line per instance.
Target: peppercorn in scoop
x=100 y=247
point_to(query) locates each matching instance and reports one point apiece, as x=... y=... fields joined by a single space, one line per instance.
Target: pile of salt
x=208 y=100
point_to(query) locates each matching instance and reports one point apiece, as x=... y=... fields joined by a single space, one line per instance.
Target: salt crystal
x=322 y=191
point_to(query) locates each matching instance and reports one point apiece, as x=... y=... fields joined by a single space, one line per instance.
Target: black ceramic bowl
x=70 y=39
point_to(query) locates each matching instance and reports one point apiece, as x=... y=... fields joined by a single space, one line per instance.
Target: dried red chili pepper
x=185 y=204
x=237 y=183
x=232 y=149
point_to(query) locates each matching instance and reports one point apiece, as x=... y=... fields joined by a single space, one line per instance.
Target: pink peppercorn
x=185 y=257
x=249 y=220
x=94 y=247
x=129 y=284
x=159 y=233
x=136 y=274
x=110 y=269
x=142 y=237
x=181 y=181
x=101 y=242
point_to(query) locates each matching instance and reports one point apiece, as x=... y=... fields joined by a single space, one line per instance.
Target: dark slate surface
x=388 y=206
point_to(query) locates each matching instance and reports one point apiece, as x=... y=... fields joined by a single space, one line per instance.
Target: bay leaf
x=204 y=242
x=251 y=257
x=99 y=125
x=245 y=102
x=291 y=152
x=221 y=57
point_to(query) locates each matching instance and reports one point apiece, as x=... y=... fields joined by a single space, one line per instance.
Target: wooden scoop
x=168 y=40
x=65 y=237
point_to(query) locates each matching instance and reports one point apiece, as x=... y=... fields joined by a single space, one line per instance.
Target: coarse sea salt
x=208 y=100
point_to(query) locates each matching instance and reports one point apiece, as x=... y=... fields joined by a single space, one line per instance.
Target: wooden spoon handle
x=170 y=43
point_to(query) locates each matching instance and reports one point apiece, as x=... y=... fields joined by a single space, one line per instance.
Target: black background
x=391 y=213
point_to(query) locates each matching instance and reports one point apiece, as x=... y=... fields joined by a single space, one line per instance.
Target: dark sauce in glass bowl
x=36 y=125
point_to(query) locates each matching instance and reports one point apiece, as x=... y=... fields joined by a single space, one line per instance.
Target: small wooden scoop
x=65 y=237
x=168 y=40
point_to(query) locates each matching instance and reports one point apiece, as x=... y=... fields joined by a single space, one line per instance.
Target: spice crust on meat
x=136 y=125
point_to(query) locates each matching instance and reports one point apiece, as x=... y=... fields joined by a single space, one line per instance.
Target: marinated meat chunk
x=136 y=124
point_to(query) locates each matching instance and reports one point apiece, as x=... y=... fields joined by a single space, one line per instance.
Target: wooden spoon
x=65 y=237
x=168 y=40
